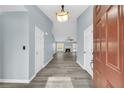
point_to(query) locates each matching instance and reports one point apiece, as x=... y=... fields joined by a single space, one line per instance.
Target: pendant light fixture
x=63 y=15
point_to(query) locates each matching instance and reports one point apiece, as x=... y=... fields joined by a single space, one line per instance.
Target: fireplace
x=67 y=50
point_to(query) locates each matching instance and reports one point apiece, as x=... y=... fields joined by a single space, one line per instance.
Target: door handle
x=93 y=53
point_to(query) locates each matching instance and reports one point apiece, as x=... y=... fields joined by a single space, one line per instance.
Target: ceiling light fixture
x=63 y=15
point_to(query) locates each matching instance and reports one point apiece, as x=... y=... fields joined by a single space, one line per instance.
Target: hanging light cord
x=62 y=6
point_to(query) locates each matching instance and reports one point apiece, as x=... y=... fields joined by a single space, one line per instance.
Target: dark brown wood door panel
x=108 y=46
x=113 y=37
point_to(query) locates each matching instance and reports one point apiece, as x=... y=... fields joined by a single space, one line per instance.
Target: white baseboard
x=14 y=81
x=17 y=80
x=32 y=77
x=83 y=68
x=80 y=65
x=48 y=62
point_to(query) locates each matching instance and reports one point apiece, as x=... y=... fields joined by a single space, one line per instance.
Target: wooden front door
x=108 y=52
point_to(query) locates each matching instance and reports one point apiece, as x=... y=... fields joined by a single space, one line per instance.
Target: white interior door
x=39 y=49
x=88 y=49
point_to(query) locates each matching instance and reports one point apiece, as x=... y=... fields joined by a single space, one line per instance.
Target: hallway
x=62 y=65
x=71 y=46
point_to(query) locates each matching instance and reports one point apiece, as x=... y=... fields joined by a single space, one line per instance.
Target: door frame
x=89 y=70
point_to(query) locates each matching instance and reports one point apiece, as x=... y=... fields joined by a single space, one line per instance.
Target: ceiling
x=8 y=8
x=62 y=31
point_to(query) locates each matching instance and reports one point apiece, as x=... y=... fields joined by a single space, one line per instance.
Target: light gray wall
x=0 y=44
x=68 y=44
x=19 y=30
x=84 y=20
x=14 y=36
x=38 y=18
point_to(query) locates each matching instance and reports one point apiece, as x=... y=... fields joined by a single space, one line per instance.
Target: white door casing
x=88 y=49
x=39 y=49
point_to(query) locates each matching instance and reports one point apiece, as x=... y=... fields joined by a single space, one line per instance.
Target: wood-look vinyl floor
x=62 y=65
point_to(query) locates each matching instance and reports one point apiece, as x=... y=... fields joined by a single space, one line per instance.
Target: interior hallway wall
x=38 y=18
x=14 y=32
x=0 y=44
x=19 y=30
x=83 y=21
